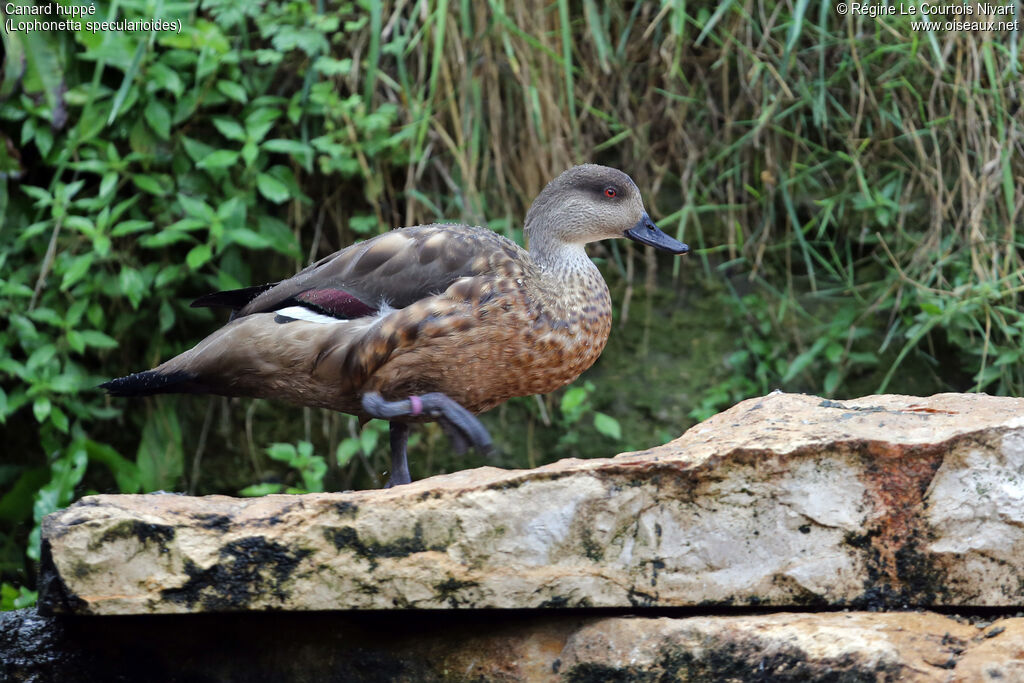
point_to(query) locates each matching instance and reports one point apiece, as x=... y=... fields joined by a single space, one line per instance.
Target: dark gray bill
x=646 y=232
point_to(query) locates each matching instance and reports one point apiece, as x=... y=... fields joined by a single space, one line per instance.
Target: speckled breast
x=516 y=342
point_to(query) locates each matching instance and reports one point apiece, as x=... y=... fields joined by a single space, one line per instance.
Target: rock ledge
x=883 y=501
x=473 y=646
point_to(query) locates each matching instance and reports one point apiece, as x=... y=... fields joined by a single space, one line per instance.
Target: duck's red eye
x=610 y=192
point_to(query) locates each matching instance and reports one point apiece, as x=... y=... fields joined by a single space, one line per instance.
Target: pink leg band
x=417 y=405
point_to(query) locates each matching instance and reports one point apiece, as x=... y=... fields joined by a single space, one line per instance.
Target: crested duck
x=427 y=323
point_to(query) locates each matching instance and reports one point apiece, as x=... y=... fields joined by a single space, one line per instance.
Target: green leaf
x=261 y=120
x=141 y=138
x=42 y=197
x=287 y=146
x=66 y=383
x=13 y=66
x=248 y=238
x=130 y=226
x=363 y=224
x=282 y=239
x=834 y=352
x=196 y=150
x=23 y=326
x=272 y=188
x=832 y=381
x=101 y=245
x=96 y=314
x=34 y=231
x=16 y=502
x=196 y=208
x=77 y=270
x=44 y=141
x=257 y=490
x=160 y=457
x=41 y=408
x=170 y=274
x=368 y=439
x=125 y=472
x=230 y=129
x=41 y=357
x=313 y=474
x=75 y=311
x=268 y=57
x=607 y=425
x=121 y=207
x=12 y=367
x=132 y=285
x=232 y=90
x=801 y=362
x=81 y=224
x=222 y=158
x=59 y=419
x=65 y=474
x=97 y=339
x=16 y=598
x=26 y=598
x=285 y=175
x=198 y=256
x=128 y=80
x=1008 y=356
x=163 y=238
x=108 y=184
x=164 y=77
x=166 y=316
x=249 y=153
x=282 y=452
x=186 y=224
x=150 y=184
x=863 y=358
x=75 y=341
x=66 y=192
x=572 y=399
x=47 y=316
x=347 y=450
x=89 y=165
x=232 y=212
x=329 y=66
x=158 y=118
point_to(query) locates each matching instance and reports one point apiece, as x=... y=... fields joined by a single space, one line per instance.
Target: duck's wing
x=392 y=270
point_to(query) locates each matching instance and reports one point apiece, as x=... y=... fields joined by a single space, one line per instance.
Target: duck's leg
x=461 y=425
x=399 y=461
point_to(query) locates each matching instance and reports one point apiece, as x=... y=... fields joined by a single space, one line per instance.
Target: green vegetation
x=854 y=190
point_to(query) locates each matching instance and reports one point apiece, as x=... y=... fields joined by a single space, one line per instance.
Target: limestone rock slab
x=796 y=647
x=457 y=645
x=883 y=501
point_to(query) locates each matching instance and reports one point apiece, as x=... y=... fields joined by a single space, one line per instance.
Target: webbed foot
x=462 y=427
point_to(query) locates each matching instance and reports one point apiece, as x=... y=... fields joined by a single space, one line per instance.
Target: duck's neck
x=570 y=280
x=560 y=259
x=572 y=303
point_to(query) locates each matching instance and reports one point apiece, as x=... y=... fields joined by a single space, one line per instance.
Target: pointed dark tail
x=232 y=298
x=151 y=382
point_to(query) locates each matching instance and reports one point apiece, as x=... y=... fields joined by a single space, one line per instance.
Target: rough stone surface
x=477 y=646
x=884 y=501
x=795 y=647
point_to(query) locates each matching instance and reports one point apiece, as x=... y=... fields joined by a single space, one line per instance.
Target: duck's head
x=589 y=203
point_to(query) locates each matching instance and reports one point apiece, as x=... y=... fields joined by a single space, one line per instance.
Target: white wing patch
x=301 y=313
